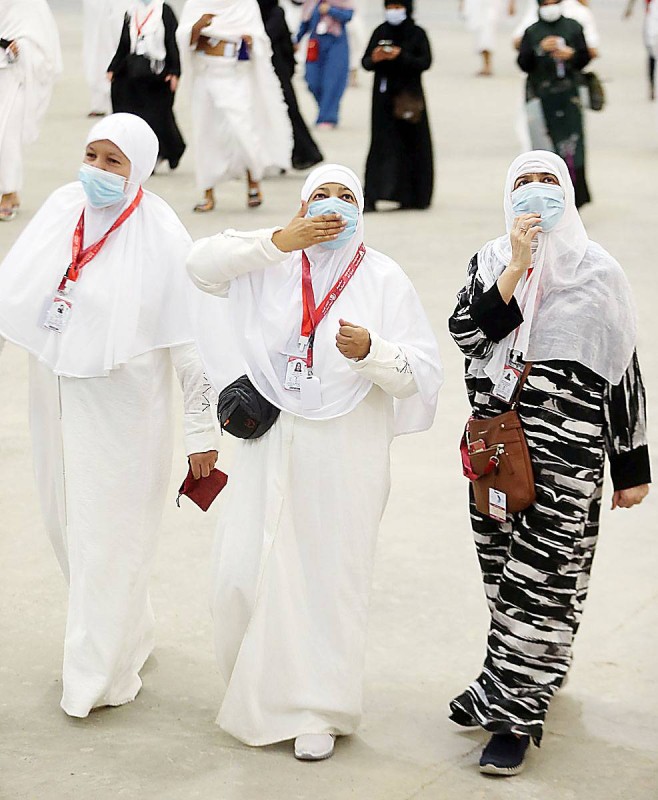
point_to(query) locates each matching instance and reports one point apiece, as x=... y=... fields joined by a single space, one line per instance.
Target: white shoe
x=314 y=746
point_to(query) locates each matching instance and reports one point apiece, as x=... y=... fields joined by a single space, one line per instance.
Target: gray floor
x=428 y=613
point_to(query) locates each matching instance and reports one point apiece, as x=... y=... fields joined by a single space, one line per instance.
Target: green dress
x=553 y=93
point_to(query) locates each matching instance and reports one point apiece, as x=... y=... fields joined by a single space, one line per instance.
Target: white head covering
x=149 y=17
x=32 y=24
x=232 y=20
x=261 y=323
x=129 y=300
x=576 y=304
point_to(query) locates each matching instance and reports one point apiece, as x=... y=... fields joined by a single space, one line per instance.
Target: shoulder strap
x=519 y=388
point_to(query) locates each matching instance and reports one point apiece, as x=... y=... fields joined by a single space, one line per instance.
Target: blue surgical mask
x=396 y=16
x=102 y=188
x=540 y=198
x=334 y=205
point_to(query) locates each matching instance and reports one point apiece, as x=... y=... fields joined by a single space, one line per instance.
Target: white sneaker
x=314 y=746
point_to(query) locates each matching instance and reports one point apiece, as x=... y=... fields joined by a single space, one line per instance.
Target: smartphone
x=386 y=45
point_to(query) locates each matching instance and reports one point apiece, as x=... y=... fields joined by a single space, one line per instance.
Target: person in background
x=240 y=120
x=650 y=10
x=544 y=294
x=102 y=22
x=483 y=18
x=400 y=164
x=349 y=367
x=357 y=37
x=305 y=152
x=30 y=61
x=327 y=54
x=571 y=9
x=553 y=52
x=103 y=334
x=145 y=72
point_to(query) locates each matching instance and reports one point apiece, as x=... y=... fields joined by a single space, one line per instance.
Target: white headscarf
x=149 y=16
x=576 y=304
x=232 y=20
x=129 y=300
x=261 y=324
x=32 y=24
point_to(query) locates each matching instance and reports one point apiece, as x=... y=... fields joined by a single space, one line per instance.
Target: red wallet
x=203 y=491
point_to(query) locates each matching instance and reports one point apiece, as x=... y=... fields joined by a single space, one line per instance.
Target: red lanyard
x=140 y=27
x=313 y=315
x=79 y=257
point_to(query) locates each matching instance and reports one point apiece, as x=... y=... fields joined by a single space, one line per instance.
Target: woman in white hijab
x=351 y=366
x=30 y=61
x=545 y=294
x=95 y=290
x=241 y=124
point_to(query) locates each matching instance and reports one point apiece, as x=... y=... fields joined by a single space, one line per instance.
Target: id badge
x=140 y=47
x=295 y=372
x=509 y=380
x=498 y=505
x=311 y=393
x=58 y=314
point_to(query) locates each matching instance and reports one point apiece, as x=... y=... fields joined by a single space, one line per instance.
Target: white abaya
x=102 y=24
x=296 y=542
x=100 y=410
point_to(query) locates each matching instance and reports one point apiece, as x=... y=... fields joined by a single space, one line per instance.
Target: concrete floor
x=429 y=618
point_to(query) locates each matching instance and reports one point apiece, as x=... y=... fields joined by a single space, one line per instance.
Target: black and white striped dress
x=536 y=565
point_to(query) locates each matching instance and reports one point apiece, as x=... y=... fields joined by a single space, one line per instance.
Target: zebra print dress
x=536 y=565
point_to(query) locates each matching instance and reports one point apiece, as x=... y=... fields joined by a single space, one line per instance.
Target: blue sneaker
x=504 y=755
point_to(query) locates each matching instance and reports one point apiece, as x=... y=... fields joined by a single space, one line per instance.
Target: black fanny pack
x=244 y=412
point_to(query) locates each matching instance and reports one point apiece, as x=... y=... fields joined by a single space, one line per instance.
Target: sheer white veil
x=577 y=303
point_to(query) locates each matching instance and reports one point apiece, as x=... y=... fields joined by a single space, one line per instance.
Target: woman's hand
x=302 y=231
x=202 y=464
x=172 y=80
x=378 y=55
x=524 y=230
x=563 y=53
x=627 y=498
x=13 y=48
x=550 y=43
x=109 y=76
x=353 y=341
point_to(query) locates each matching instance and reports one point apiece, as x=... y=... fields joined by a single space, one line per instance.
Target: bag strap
x=524 y=377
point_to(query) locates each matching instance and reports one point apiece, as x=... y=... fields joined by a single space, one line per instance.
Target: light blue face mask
x=395 y=16
x=540 y=198
x=102 y=188
x=334 y=205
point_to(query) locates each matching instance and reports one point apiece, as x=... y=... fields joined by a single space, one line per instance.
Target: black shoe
x=504 y=755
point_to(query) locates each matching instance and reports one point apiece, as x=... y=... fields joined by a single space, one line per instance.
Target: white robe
x=483 y=18
x=102 y=456
x=102 y=21
x=12 y=111
x=296 y=542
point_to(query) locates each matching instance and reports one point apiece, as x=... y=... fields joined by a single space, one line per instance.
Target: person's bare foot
x=9 y=205
x=208 y=202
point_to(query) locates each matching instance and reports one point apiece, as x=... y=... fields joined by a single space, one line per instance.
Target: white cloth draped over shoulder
x=239 y=112
x=32 y=25
x=102 y=25
x=262 y=321
x=297 y=536
x=146 y=23
x=483 y=17
x=103 y=445
x=130 y=298
x=577 y=304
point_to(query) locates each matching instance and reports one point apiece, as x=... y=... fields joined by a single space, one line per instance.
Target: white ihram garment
x=483 y=18
x=100 y=409
x=102 y=24
x=296 y=542
x=240 y=118
x=26 y=84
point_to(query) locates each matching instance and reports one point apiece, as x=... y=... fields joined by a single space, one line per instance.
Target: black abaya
x=400 y=163
x=151 y=98
x=305 y=151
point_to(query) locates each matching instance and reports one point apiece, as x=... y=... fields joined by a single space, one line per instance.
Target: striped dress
x=536 y=565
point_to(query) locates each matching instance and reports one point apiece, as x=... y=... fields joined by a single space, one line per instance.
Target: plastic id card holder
x=310 y=393
x=58 y=314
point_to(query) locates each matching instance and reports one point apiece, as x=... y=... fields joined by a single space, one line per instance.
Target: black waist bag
x=244 y=412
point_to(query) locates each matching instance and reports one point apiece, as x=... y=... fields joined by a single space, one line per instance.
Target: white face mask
x=551 y=13
x=396 y=16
